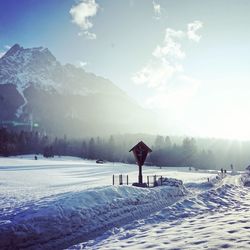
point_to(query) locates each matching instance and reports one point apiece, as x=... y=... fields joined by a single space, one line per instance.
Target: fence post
x=161 y=180
x=113 y=179
x=120 y=179
x=127 y=179
x=148 y=180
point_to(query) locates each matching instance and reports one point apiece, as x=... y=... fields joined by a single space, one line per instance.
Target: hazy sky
x=186 y=60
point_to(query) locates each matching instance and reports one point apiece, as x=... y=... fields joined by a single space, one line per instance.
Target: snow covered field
x=64 y=201
x=25 y=180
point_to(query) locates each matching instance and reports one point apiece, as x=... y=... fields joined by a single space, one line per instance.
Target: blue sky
x=187 y=61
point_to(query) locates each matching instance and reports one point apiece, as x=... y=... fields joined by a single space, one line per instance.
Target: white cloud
x=161 y=68
x=81 y=15
x=192 y=29
x=157 y=10
x=164 y=73
x=87 y=34
x=170 y=47
x=156 y=74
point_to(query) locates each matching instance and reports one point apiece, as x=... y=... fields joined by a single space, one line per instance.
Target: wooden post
x=120 y=179
x=148 y=180
x=140 y=175
x=161 y=180
x=127 y=179
x=113 y=179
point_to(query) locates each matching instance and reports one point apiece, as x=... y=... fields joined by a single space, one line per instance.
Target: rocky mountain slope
x=63 y=99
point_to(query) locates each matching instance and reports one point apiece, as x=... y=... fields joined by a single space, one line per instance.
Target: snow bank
x=210 y=183
x=76 y=217
x=220 y=195
x=245 y=178
x=215 y=219
x=152 y=231
x=169 y=182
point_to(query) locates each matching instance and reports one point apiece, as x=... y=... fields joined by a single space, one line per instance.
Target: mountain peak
x=19 y=51
x=25 y=66
x=38 y=67
x=16 y=47
x=42 y=53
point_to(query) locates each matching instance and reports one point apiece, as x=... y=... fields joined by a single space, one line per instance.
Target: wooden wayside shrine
x=140 y=151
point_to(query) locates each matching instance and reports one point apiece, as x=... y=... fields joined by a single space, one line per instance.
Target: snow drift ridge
x=77 y=217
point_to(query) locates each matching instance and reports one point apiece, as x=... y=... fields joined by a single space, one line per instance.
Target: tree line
x=167 y=151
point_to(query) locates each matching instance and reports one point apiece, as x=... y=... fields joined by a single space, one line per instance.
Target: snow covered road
x=232 y=180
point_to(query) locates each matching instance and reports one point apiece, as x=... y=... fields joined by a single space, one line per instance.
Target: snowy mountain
x=62 y=98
